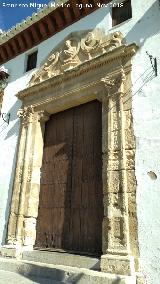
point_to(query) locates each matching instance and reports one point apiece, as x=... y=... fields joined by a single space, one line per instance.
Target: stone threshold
x=62 y=258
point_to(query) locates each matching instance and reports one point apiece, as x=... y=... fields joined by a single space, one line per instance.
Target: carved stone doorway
x=86 y=66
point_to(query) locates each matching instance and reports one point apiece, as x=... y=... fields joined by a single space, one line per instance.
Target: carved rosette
x=26 y=115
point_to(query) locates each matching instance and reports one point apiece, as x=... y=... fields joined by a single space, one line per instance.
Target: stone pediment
x=74 y=50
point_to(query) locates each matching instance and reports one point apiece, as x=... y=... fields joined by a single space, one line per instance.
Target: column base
x=11 y=251
x=117 y=264
x=14 y=251
x=140 y=279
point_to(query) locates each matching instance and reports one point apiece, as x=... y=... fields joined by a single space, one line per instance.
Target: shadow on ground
x=46 y=275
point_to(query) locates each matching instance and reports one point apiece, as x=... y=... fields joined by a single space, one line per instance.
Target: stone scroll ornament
x=47 y=70
x=74 y=51
x=90 y=44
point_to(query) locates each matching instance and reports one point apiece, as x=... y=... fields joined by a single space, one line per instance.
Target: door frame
x=108 y=80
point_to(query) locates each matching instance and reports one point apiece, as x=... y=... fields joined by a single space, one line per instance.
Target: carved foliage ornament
x=76 y=49
x=26 y=114
x=113 y=83
x=43 y=116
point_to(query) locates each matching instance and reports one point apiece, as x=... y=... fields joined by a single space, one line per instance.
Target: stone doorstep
x=63 y=273
x=62 y=258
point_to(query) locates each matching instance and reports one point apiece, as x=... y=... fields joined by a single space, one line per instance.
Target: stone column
x=15 y=217
x=25 y=197
x=118 y=160
x=33 y=179
x=27 y=120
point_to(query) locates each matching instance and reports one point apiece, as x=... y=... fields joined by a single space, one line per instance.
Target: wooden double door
x=71 y=200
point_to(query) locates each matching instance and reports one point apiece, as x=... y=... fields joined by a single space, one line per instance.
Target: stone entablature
x=91 y=68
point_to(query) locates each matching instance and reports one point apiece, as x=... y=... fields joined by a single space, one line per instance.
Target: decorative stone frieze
x=75 y=50
x=86 y=66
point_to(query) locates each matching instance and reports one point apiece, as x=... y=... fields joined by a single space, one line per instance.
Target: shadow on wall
x=145 y=27
x=12 y=132
x=13 y=116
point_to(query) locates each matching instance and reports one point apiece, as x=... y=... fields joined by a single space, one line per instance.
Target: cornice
x=121 y=52
x=42 y=25
x=24 y=24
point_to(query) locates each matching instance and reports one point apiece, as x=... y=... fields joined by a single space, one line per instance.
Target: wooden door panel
x=71 y=200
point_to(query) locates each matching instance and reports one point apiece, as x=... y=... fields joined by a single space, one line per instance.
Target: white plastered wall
x=143 y=28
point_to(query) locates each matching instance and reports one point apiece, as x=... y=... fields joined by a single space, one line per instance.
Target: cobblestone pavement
x=14 y=278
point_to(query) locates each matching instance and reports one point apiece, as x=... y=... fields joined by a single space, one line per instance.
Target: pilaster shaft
x=24 y=207
x=14 y=211
x=117 y=160
x=33 y=179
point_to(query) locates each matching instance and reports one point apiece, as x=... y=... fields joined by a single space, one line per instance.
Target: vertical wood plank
x=71 y=201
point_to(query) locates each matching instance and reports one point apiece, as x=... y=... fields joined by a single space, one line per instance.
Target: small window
x=32 y=61
x=121 y=13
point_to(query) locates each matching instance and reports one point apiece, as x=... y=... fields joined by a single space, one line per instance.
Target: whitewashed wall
x=143 y=28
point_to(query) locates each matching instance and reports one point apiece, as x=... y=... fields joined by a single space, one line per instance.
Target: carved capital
x=113 y=83
x=26 y=115
x=43 y=116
